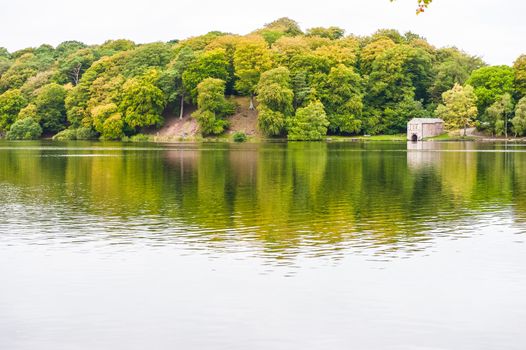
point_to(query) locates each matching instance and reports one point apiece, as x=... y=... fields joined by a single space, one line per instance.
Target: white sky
x=492 y=29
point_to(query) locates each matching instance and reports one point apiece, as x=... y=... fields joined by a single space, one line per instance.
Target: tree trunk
x=181 y=113
x=75 y=74
x=251 y=102
x=465 y=129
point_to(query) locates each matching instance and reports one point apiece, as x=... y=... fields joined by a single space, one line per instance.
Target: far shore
x=336 y=139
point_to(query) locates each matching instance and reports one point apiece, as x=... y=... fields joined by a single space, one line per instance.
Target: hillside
x=244 y=120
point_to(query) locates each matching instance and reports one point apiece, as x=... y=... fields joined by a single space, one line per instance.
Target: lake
x=262 y=246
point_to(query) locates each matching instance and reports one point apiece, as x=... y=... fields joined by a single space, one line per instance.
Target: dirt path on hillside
x=179 y=128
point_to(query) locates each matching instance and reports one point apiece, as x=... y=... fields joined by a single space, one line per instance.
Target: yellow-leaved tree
x=460 y=107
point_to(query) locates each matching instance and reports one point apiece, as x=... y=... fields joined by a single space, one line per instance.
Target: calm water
x=272 y=246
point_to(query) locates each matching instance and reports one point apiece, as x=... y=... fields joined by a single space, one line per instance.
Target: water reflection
x=273 y=200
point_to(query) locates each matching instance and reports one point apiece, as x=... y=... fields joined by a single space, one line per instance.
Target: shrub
x=309 y=124
x=24 y=129
x=209 y=124
x=66 y=135
x=271 y=122
x=140 y=138
x=101 y=113
x=112 y=127
x=239 y=136
x=85 y=133
x=213 y=107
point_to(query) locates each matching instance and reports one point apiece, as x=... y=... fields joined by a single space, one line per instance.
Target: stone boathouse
x=420 y=128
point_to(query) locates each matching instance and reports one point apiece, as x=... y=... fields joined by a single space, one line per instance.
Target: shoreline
x=400 y=138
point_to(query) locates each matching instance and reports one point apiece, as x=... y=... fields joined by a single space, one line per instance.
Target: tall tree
x=183 y=61
x=520 y=76
x=499 y=113
x=519 y=121
x=275 y=99
x=11 y=102
x=341 y=94
x=332 y=33
x=452 y=67
x=209 y=64
x=51 y=107
x=251 y=58
x=490 y=83
x=142 y=101
x=460 y=107
x=212 y=107
x=309 y=124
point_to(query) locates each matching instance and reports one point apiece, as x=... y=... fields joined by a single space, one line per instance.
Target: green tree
x=498 y=114
x=372 y=51
x=145 y=57
x=453 y=67
x=33 y=84
x=11 y=102
x=212 y=107
x=110 y=47
x=332 y=33
x=460 y=107
x=520 y=76
x=519 y=121
x=286 y=26
x=4 y=53
x=5 y=63
x=29 y=111
x=309 y=124
x=112 y=128
x=19 y=71
x=301 y=88
x=73 y=66
x=209 y=64
x=142 y=102
x=66 y=48
x=341 y=94
x=101 y=113
x=251 y=58
x=274 y=90
x=24 y=129
x=172 y=79
x=50 y=104
x=275 y=98
x=490 y=83
x=389 y=85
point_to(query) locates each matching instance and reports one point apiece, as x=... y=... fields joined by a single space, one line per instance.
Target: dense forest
x=304 y=85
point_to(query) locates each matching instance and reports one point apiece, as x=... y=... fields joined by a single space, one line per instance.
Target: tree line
x=304 y=84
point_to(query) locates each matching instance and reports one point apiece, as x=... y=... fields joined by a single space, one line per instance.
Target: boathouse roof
x=425 y=121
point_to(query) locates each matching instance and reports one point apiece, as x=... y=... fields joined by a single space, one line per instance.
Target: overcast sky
x=492 y=29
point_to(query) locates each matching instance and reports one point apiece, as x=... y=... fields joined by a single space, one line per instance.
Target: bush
x=239 y=136
x=209 y=124
x=213 y=107
x=140 y=138
x=309 y=124
x=271 y=122
x=24 y=129
x=101 y=113
x=85 y=133
x=112 y=128
x=66 y=135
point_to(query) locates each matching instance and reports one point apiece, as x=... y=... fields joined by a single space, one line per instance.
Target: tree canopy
x=365 y=84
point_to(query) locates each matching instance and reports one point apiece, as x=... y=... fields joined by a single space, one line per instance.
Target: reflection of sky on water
x=307 y=246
